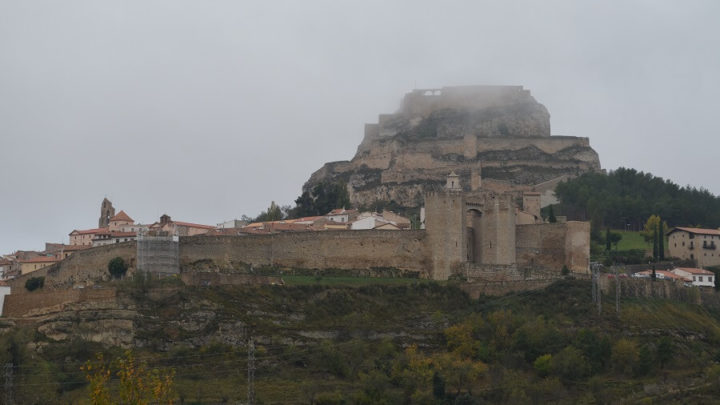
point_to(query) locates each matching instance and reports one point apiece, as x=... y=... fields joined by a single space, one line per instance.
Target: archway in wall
x=474 y=236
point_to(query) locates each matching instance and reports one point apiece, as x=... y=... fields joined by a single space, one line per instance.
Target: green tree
x=624 y=356
x=438 y=386
x=661 y=241
x=615 y=238
x=645 y=361
x=608 y=242
x=273 y=213
x=655 y=244
x=551 y=215
x=117 y=267
x=543 y=365
x=321 y=199
x=33 y=283
x=665 y=351
x=570 y=364
x=626 y=197
x=650 y=227
x=611 y=238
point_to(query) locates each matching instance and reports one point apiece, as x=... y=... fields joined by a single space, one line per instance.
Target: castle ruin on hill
x=502 y=132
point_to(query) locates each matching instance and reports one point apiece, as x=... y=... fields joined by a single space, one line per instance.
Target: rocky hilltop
x=498 y=133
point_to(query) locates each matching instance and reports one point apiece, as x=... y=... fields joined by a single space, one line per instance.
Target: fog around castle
x=208 y=111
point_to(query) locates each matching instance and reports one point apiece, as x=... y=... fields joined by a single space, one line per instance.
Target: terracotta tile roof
x=341 y=211
x=121 y=216
x=87 y=231
x=191 y=225
x=223 y=231
x=308 y=219
x=700 y=231
x=113 y=234
x=695 y=271
x=41 y=259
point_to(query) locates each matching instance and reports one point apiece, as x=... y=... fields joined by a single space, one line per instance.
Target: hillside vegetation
x=627 y=197
x=391 y=344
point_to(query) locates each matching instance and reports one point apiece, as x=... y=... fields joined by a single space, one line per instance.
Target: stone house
x=698 y=244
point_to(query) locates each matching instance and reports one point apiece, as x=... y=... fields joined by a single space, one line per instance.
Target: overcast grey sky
x=207 y=110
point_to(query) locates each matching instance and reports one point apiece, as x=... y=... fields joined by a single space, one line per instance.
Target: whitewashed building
x=699 y=277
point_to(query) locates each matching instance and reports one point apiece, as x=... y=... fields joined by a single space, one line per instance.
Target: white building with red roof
x=698 y=244
x=699 y=277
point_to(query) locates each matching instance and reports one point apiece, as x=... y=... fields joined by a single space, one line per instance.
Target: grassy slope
x=633 y=240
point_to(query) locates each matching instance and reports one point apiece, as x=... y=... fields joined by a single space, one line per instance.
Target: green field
x=632 y=240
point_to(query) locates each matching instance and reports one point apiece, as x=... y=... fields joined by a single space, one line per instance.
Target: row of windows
x=700 y=279
x=692 y=236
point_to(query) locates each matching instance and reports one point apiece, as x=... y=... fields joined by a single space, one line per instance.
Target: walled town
x=440 y=227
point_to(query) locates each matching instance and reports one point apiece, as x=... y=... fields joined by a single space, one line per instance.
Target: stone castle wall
x=550 y=246
x=348 y=250
x=22 y=303
x=83 y=267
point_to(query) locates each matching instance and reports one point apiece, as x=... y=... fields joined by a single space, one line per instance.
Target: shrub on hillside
x=33 y=283
x=117 y=267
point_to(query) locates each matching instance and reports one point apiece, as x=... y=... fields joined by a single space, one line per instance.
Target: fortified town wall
x=84 y=267
x=24 y=304
x=348 y=250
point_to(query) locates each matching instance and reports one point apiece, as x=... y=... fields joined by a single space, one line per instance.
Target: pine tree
x=655 y=243
x=608 y=242
x=661 y=241
x=551 y=215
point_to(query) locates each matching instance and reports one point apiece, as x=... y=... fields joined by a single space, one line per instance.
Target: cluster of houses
x=118 y=228
x=339 y=220
x=687 y=276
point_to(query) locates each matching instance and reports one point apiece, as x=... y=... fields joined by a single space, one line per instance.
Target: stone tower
x=445 y=227
x=453 y=182
x=106 y=212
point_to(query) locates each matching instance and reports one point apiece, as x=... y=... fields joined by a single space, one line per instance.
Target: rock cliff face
x=499 y=133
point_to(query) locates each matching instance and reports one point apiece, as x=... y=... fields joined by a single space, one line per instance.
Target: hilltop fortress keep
x=500 y=131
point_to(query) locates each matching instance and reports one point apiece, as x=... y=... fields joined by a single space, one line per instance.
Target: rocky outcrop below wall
x=501 y=132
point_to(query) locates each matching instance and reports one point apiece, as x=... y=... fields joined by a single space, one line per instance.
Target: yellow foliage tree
x=138 y=385
x=98 y=374
x=651 y=225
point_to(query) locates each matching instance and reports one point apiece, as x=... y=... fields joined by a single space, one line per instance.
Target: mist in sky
x=210 y=110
